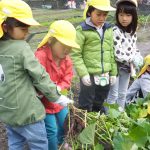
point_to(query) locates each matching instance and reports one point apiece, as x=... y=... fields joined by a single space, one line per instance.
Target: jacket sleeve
x=133 y=89
x=65 y=83
x=114 y=70
x=41 y=58
x=76 y=54
x=145 y=86
x=38 y=75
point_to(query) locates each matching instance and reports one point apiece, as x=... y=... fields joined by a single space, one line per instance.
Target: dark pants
x=91 y=98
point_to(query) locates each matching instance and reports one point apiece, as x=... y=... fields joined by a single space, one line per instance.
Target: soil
x=3 y=138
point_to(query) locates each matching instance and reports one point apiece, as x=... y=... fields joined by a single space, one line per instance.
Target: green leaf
x=64 y=92
x=134 y=147
x=113 y=113
x=146 y=127
x=98 y=147
x=139 y=136
x=122 y=142
x=115 y=106
x=87 y=135
x=143 y=113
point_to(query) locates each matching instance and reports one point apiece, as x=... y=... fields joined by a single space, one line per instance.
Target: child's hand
x=138 y=61
x=64 y=101
x=86 y=80
x=113 y=80
x=133 y=71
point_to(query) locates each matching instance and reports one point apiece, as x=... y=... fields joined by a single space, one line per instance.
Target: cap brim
x=29 y=21
x=1 y=32
x=44 y=41
x=142 y=70
x=62 y=40
x=103 y=8
x=70 y=43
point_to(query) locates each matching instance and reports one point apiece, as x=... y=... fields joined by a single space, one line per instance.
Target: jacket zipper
x=102 y=51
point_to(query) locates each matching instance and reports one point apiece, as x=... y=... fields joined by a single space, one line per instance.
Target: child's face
x=98 y=17
x=124 y=19
x=60 y=50
x=19 y=33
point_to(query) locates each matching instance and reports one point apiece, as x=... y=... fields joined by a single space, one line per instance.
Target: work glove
x=138 y=61
x=133 y=71
x=97 y=79
x=64 y=101
x=113 y=80
x=86 y=80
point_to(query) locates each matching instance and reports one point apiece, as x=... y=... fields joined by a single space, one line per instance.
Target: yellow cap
x=17 y=9
x=146 y=63
x=63 y=31
x=103 y=5
x=131 y=1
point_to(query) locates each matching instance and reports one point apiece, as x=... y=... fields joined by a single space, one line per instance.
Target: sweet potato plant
x=116 y=130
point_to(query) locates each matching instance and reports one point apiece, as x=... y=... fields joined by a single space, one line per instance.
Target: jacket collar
x=86 y=26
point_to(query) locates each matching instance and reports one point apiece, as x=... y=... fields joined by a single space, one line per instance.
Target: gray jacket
x=142 y=83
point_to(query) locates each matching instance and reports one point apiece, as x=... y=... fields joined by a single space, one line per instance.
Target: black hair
x=53 y=40
x=89 y=11
x=10 y=24
x=128 y=8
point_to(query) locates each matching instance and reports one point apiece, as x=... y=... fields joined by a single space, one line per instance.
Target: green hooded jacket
x=96 y=54
x=20 y=74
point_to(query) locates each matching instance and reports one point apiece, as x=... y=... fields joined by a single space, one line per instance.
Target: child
x=142 y=82
x=94 y=61
x=125 y=49
x=20 y=74
x=53 y=55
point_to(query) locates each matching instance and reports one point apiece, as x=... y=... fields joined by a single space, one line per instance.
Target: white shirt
x=90 y=23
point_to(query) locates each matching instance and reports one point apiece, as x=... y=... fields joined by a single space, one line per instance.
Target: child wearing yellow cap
x=20 y=75
x=126 y=53
x=142 y=82
x=94 y=61
x=53 y=53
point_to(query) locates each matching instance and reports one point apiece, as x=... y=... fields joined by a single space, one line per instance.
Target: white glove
x=133 y=71
x=112 y=80
x=86 y=80
x=97 y=79
x=63 y=101
x=138 y=61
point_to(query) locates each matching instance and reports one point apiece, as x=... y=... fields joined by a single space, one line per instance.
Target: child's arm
x=133 y=89
x=77 y=55
x=145 y=86
x=114 y=70
x=133 y=71
x=38 y=75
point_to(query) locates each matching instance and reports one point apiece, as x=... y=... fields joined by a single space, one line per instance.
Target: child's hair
x=128 y=8
x=89 y=11
x=10 y=24
x=52 y=41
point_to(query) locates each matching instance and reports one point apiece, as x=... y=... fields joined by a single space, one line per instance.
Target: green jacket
x=20 y=74
x=96 y=54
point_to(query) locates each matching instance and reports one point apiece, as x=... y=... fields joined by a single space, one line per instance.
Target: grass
x=46 y=16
